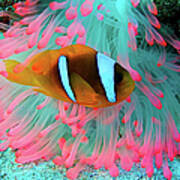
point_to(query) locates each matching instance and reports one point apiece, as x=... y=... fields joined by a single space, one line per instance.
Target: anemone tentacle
x=143 y=129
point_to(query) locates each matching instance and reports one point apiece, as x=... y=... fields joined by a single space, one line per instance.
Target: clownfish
x=76 y=74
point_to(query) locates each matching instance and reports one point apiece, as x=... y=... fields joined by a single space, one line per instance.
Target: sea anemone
x=143 y=129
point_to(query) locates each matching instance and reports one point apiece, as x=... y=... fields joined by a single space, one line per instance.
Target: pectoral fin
x=84 y=93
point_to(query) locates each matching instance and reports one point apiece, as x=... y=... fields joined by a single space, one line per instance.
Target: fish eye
x=118 y=74
x=118 y=77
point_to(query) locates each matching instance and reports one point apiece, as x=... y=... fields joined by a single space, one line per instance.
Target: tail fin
x=25 y=77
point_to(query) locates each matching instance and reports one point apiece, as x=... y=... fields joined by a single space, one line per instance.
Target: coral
x=143 y=129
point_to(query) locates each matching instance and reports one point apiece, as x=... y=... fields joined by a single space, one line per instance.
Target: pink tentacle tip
x=128 y=99
x=39 y=107
x=120 y=143
x=138 y=131
x=69 y=162
x=81 y=30
x=177 y=137
x=159 y=64
x=163 y=43
x=57 y=117
x=40 y=135
x=152 y=8
x=135 y=75
x=114 y=171
x=17 y=154
x=84 y=139
x=16 y=5
x=72 y=174
x=116 y=157
x=61 y=143
x=86 y=8
x=162 y=59
x=9 y=110
x=75 y=130
x=158 y=160
x=81 y=40
x=71 y=13
x=135 y=123
x=99 y=6
x=72 y=29
x=150 y=171
x=17 y=160
x=60 y=29
x=100 y=16
x=124 y=120
x=55 y=5
x=126 y=163
x=90 y=160
x=135 y=3
x=58 y=161
x=157 y=104
x=62 y=41
x=167 y=172
x=66 y=107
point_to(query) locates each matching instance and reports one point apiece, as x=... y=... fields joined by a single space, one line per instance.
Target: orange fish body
x=73 y=74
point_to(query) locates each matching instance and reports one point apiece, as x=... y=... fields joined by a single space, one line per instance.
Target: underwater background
x=10 y=170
